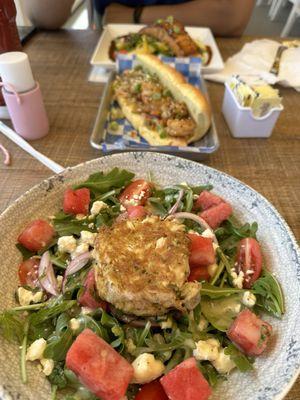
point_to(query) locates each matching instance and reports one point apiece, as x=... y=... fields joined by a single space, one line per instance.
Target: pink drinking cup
x=27 y=112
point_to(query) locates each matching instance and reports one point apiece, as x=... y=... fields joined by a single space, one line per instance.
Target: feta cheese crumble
x=80 y=249
x=146 y=368
x=87 y=237
x=66 y=244
x=74 y=324
x=223 y=363
x=80 y=217
x=249 y=299
x=97 y=207
x=207 y=350
x=48 y=365
x=36 y=349
x=237 y=279
x=27 y=296
x=86 y=310
x=166 y=324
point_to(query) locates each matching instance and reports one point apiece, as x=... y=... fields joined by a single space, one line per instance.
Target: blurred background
x=269 y=18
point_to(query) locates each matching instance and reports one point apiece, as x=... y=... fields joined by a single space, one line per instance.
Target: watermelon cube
x=207 y=199
x=186 y=382
x=215 y=215
x=99 y=367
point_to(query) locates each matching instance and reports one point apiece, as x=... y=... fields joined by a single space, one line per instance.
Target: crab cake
x=142 y=266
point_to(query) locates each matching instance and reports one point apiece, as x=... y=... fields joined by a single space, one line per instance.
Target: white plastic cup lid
x=15 y=70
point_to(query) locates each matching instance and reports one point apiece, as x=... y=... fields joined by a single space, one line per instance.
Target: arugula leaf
x=215 y=292
x=43 y=330
x=52 y=309
x=62 y=323
x=99 y=182
x=199 y=189
x=66 y=224
x=231 y=232
x=116 y=329
x=59 y=260
x=242 y=362
x=143 y=334
x=188 y=201
x=132 y=391
x=209 y=372
x=157 y=207
x=25 y=252
x=174 y=360
x=221 y=312
x=269 y=294
x=84 y=393
x=119 y=333
x=86 y=321
x=59 y=346
x=57 y=376
x=109 y=196
x=217 y=274
x=107 y=216
x=178 y=339
x=11 y=326
x=23 y=353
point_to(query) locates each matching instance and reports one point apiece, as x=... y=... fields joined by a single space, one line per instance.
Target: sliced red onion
x=6 y=154
x=173 y=209
x=196 y=218
x=76 y=265
x=47 y=277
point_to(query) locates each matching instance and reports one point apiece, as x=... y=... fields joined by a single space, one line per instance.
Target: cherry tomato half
x=151 y=391
x=136 y=193
x=28 y=272
x=249 y=260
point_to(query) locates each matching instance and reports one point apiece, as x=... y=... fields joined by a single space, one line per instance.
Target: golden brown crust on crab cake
x=142 y=265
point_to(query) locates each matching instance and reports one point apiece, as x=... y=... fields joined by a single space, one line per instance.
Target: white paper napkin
x=255 y=61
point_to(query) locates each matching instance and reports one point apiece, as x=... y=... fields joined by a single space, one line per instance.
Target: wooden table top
x=60 y=62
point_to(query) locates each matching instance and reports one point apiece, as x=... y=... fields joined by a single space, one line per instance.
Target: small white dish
x=241 y=121
x=100 y=56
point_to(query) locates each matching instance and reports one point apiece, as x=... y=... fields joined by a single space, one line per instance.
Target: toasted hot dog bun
x=182 y=91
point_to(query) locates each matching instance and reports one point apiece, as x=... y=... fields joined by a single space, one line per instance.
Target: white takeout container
x=241 y=121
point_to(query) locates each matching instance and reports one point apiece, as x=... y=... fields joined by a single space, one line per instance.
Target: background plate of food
x=55 y=325
x=130 y=38
x=165 y=94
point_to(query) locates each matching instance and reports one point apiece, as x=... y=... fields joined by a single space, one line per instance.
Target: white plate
x=275 y=371
x=111 y=31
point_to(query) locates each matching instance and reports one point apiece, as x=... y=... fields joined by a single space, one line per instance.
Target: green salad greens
x=51 y=319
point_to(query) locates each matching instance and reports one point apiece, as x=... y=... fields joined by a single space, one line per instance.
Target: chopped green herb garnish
x=114 y=126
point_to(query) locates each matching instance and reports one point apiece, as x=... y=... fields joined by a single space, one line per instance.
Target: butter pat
x=260 y=98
